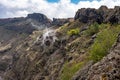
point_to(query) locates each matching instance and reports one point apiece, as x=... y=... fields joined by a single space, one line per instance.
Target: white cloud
x=62 y=9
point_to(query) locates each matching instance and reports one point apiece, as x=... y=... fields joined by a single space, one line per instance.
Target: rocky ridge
x=101 y=15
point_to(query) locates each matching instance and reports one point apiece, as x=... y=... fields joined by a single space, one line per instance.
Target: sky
x=51 y=8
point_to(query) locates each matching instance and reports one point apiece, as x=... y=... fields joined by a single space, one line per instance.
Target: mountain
x=85 y=47
x=26 y=24
x=14 y=31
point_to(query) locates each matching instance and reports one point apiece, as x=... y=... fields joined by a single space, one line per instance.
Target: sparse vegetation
x=70 y=69
x=104 y=41
x=93 y=29
x=72 y=32
x=106 y=37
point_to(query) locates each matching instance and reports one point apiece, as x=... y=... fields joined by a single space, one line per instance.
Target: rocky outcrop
x=101 y=15
x=106 y=69
x=60 y=22
x=41 y=18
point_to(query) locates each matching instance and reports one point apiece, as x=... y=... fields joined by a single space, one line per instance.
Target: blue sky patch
x=53 y=0
x=73 y=1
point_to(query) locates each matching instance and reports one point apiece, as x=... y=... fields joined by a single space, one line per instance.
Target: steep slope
x=8 y=41
x=36 y=59
x=55 y=57
x=106 y=69
x=74 y=50
x=13 y=32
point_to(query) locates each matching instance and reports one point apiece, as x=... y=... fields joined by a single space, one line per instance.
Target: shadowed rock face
x=101 y=15
x=60 y=22
x=37 y=16
x=40 y=18
x=87 y=15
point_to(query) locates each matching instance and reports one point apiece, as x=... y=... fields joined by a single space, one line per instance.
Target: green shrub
x=103 y=26
x=93 y=29
x=73 y=32
x=104 y=41
x=70 y=69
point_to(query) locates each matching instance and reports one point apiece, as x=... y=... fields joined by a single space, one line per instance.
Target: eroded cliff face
x=101 y=15
x=13 y=32
x=40 y=58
